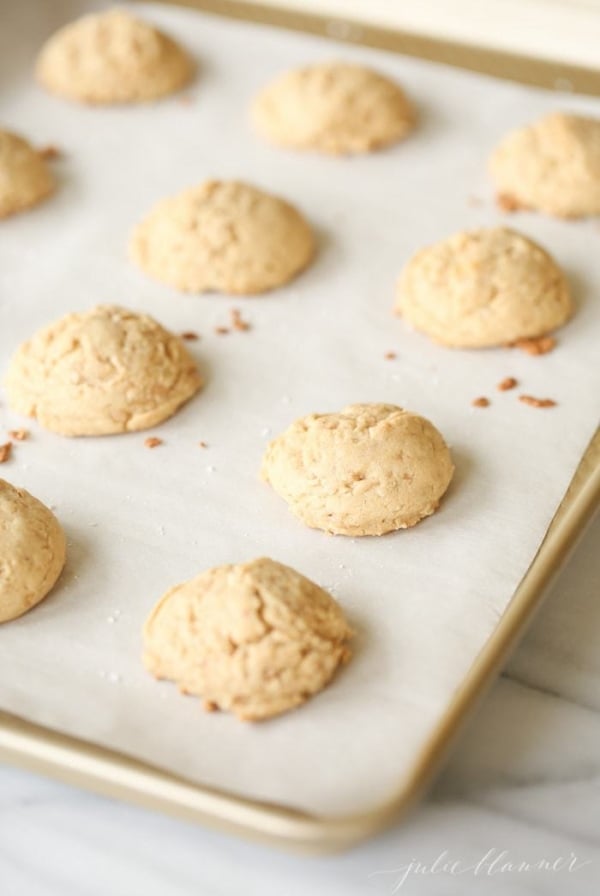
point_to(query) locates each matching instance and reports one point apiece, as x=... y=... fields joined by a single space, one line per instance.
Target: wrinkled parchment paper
x=424 y=601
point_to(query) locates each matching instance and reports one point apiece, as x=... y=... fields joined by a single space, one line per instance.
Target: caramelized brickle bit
x=481 y=402
x=18 y=435
x=540 y=346
x=507 y=203
x=537 y=402
x=237 y=321
x=507 y=383
x=49 y=153
x=153 y=442
x=390 y=356
x=190 y=336
x=209 y=706
x=221 y=331
x=5 y=452
x=203 y=444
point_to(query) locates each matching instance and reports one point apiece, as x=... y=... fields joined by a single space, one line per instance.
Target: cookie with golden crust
x=368 y=470
x=335 y=108
x=25 y=178
x=32 y=551
x=257 y=638
x=103 y=371
x=112 y=57
x=223 y=236
x=483 y=288
x=551 y=166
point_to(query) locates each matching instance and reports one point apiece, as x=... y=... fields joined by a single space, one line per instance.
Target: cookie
x=551 y=166
x=335 y=108
x=32 y=551
x=256 y=639
x=223 y=236
x=483 y=288
x=368 y=470
x=112 y=57
x=24 y=176
x=108 y=370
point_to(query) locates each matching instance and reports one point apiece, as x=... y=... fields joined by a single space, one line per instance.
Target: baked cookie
x=257 y=639
x=483 y=288
x=112 y=57
x=223 y=236
x=334 y=108
x=32 y=551
x=368 y=470
x=108 y=370
x=551 y=166
x=24 y=176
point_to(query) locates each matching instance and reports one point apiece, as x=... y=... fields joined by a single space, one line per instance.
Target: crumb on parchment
x=509 y=382
x=481 y=402
x=153 y=442
x=537 y=402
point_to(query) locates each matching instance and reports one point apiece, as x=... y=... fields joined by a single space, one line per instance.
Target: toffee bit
x=5 y=452
x=390 y=356
x=237 y=322
x=209 y=706
x=540 y=346
x=49 y=153
x=507 y=383
x=190 y=336
x=221 y=331
x=203 y=444
x=153 y=442
x=507 y=203
x=537 y=402
x=18 y=435
x=481 y=402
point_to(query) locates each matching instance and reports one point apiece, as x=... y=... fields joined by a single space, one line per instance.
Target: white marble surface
x=523 y=785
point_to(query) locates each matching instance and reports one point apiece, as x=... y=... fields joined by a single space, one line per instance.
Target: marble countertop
x=522 y=786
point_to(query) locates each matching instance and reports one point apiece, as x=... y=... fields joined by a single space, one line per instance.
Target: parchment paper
x=424 y=601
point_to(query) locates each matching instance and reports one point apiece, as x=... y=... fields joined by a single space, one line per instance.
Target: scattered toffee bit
x=49 y=153
x=537 y=402
x=153 y=442
x=390 y=356
x=5 y=452
x=18 y=435
x=237 y=322
x=190 y=336
x=540 y=346
x=209 y=706
x=221 y=331
x=203 y=444
x=481 y=402
x=507 y=203
x=507 y=383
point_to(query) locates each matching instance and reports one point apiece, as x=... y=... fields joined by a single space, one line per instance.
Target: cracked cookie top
x=368 y=470
x=334 y=108
x=24 y=175
x=103 y=371
x=551 y=166
x=112 y=57
x=223 y=236
x=483 y=288
x=256 y=639
x=32 y=551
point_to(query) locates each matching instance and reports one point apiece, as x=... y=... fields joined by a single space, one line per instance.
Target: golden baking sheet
x=317 y=310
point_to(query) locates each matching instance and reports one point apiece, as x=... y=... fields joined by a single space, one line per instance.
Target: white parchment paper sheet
x=424 y=601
